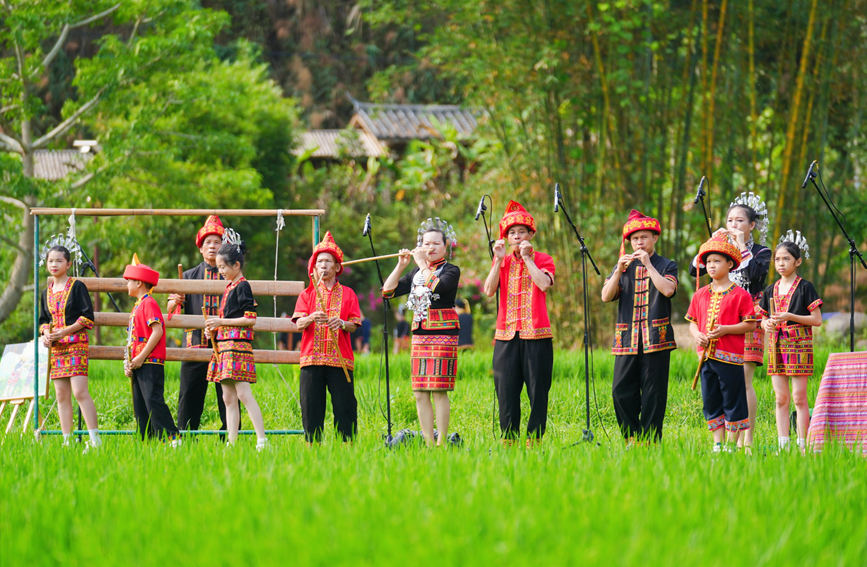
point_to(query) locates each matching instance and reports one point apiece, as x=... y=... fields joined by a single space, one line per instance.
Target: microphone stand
x=699 y=197
x=386 y=310
x=585 y=254
x=853 y=251
x=488 y=222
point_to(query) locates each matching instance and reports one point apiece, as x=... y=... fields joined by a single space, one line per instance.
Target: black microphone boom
x=810 y=174
x=700 y=193
x=481 y=208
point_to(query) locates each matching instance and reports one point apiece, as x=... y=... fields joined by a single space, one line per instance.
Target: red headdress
x=516 y=214
x=212 y=226
x=327 y=245
x=720 y=245
x=638 y=221
x=140 y=272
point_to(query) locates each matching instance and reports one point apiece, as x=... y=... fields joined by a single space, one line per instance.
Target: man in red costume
x=326 y=313
x=523 y=346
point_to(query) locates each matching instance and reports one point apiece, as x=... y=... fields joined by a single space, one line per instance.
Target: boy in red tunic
x=327 y=313
x=719 y=316
x=523 y=346
x=146 y=354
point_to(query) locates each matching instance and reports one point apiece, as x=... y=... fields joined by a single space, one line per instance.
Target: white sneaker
x=261 y=445
x=176 y=442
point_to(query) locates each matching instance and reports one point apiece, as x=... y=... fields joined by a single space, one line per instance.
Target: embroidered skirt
x=434 y=362
x=790 y=351
x=232 y=361
x=754 y=346
x=67 y=360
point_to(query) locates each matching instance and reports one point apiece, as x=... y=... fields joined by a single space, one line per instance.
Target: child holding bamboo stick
x=232 y=363
x=790 y=307
x=719 y=316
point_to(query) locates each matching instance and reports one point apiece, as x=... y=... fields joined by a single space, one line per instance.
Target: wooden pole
x=260 y=356
x=176 y=212
x=209 y=287
x=263 y=324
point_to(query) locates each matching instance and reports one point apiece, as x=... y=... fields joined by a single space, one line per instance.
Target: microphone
x=556 y=197
x=366 y=230
x=481 y=208
x=810 y=174
x=700 y=193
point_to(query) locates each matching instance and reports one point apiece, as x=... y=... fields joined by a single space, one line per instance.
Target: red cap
x=516 y=214
x=327 y=245
x=142 y=273
x=212 y=226
x=720 y=245
x=639 y=221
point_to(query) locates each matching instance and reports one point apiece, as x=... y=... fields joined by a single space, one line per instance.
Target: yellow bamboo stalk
x=802 y=157
x=754 y=116
x=793 y=119
x=704 y=79
x=712 y=102
x=606 y=102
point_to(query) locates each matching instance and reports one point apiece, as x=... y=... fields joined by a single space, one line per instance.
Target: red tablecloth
x=840 y=410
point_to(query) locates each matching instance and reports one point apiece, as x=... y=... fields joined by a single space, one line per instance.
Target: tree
x=176 y=125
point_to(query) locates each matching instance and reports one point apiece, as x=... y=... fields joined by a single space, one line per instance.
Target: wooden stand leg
x=16 y=404
x=28 y=416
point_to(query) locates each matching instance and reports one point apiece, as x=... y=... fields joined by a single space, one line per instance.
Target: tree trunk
x=22 y=266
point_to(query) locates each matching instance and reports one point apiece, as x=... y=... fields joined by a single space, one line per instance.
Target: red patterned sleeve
x=692 y=312
x=746 y=308
x=302 y=305
x=545 y=263
x=351 y=311
x=151 y=312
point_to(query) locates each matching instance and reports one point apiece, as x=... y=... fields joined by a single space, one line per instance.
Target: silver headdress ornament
x=232 y=237
x=440 y=225
x=798 y=239
x=67 y=241
x=753 y=201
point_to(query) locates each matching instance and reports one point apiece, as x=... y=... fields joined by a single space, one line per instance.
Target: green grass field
x=134 y=503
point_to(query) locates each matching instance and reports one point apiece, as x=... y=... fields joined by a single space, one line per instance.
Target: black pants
x=640 y=392
x=724 y=393
x=518 y=362
x=314 y=380
x=191 y=396
x=151 y=412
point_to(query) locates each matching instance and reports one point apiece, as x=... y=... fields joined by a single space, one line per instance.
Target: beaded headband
x=798 y=239
x=439 y=225
x=67 y=241
x=232 y=237
x=753 y=201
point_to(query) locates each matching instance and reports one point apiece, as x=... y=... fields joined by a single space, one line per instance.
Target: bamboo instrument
x=177 y=308
x=334 y=336
x=372 y=258
x=703 y=358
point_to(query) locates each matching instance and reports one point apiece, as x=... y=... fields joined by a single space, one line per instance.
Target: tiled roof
x=336 y=143
x=57 y=164
x=401 y=122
